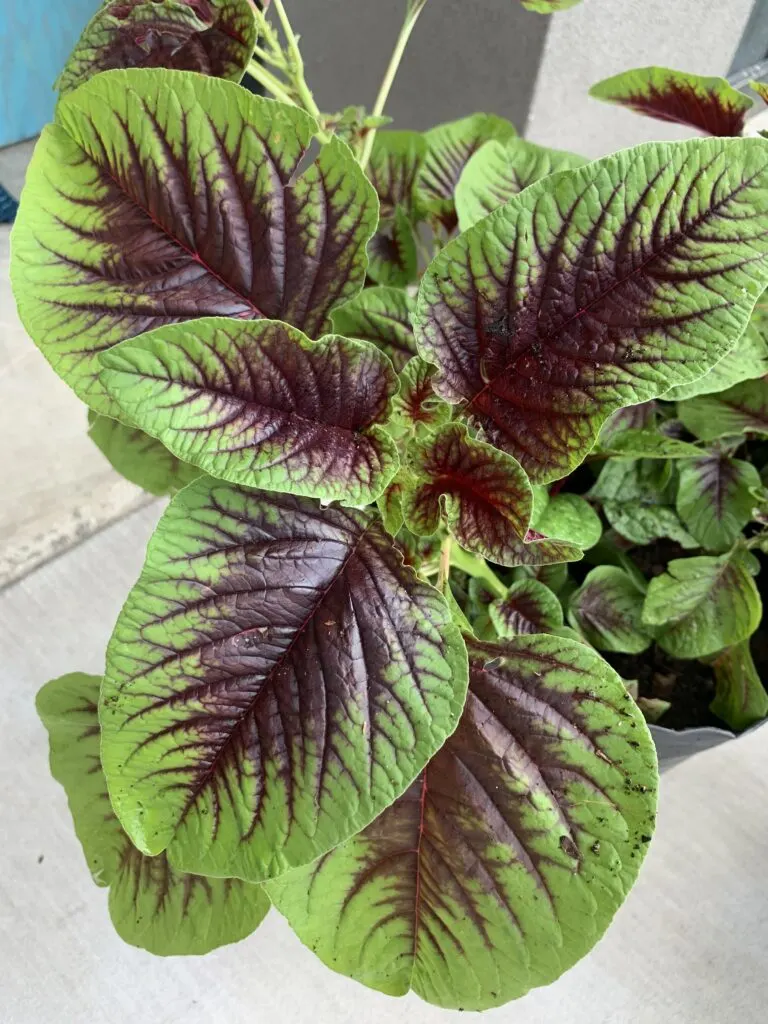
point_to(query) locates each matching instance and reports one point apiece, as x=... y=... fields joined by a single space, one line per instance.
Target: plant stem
x=472 y=565
x=270 y=83
x=413 y=11
x=296 y=62
x=445 y=562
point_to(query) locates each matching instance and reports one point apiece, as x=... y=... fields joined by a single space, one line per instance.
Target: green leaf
x=632 y=417
x=276 y=678
x=740 y=697
x=392 y=254
x=648 y=444
x=152 y=905
x=498 y=171
x=258 y=403
x=163 y=196
x=710 y=105
x=637 y=498
x=715 y=499
x=607 y=609
x=528 y=607
x=394 y=169
x=570 y=518
x=139 y=457
x=505 y=862
x=742 y=409
x=449 y=149
x=701 y=605
x=549 y=6
x=747 y=360
x=416 y=406
x=594 y=289
x=483 y=495
x=214 y=37
x=390 y=506
x=383 y=317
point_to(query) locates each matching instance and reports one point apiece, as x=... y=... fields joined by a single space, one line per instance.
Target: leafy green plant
x=463 y=442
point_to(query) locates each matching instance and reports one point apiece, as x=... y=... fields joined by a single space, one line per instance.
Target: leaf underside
x=276 y=678
x=162 y=196
x=597 y=288
x=152 y=904
x=258 y=403
x=505 y=861
x=212 y=37
x=710 y=105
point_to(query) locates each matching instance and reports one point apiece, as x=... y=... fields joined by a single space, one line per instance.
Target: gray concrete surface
x=688 y=947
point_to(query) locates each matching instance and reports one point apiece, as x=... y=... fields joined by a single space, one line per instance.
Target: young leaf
x=139 y=457
x=258 y=403
x=740 y=697
x=416 y=405
x=648 y=444
x=632 y=417
x=449 y=148
x=741 y=409
x=529 y=607
x=701 y=605
x=505 y=862
x=383 y=317
x=549 y=6
x=213 y=37
x=162 y=196
x=483 y=494
x=597 y=288
x=390 y=506
x=747 y=360
x=607 y=609
x=152 y=905
x=569 y=517
x=392 y=255
x=498 y=171
x=710 y=105
x=394 y=168
x=637 y=501
x=276 y=678
x=715 y=500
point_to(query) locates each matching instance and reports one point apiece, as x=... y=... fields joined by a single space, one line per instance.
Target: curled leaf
x=416 y=405
x=162 y=196
x=260 y=404
x=710 y=105
x=276 y=678
x=484 y=495
x=505 y=861
x=152 y=904
x=213 y=37
x=594 y=289
x=740 y=697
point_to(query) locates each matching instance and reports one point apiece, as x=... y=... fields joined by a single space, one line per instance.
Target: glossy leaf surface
x=498 y=171
x=701 y=605
x=277 y=677
x=504 y=863
x=152 y=904
x=138 y=457
x=213 y=37
x=597 y=288
x=162 y=196
x=258 y=403
x=715 y=498
x=484 y=495
x=741 y=409
x=383 y=317
x=607 y=610
x=710 y=105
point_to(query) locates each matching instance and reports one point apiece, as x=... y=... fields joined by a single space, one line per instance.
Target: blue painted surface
x=36 y=37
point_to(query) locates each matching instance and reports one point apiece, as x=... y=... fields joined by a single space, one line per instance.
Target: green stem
x=411 y=17
x=445 y=562
x=269 y=57
x=475 y=566
x=296 y=62
x=270 y=83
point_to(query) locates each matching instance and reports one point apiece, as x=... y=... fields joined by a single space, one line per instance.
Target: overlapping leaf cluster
x=359 y=673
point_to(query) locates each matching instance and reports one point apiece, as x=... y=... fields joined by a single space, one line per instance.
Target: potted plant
x=399 y=386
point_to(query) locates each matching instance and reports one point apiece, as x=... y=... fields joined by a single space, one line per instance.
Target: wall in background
x=36 y=37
